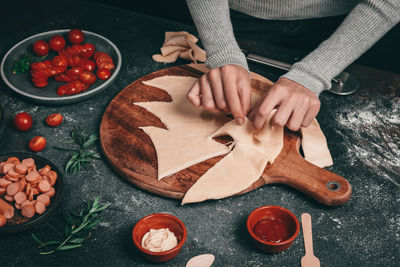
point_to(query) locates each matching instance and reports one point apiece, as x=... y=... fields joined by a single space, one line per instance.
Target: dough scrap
x=315 y=147
x=180 y=44
x=185 y=142
x=242 y=166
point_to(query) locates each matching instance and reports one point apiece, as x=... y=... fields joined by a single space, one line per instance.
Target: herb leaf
x=81 y=155
x=23 y=64
x=77 y=229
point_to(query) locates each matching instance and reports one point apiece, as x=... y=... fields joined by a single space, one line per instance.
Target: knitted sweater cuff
x=308 y=78
x=226 y=57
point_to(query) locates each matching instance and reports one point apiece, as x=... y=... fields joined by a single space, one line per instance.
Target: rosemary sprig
x=77 y=228
x=82 y=155
x=21 y=65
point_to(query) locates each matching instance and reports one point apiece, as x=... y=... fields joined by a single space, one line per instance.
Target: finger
x=264 y=109
x=283 y=112
x=297 y=117
x=218 y=89
x=232 y=98
x=194 y=94
x=311 y=114
x=244 y=95
x=207 y=99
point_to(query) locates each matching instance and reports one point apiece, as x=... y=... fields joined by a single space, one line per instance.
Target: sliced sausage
x=12 y=179
x=26 y=202
x=32 y=177
x=6 y=209
x=40 y=207
x=18 y=206
x=7 y=167
x=3 y=220
x=12 y=173
x=1 y=167
x=9 y=198
x=22 y=184
x=29 y=162
x=45 y=199
x=19 y=197
x=44 y=186
x=4 y=182
x=12 y=189
x=51 y=192
x=28 y=211
x=44 y=170
x=21 y=169
x=3 y=190
x=13 y=160
x=52 y=175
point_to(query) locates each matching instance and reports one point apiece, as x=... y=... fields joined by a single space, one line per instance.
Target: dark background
x=385 y=54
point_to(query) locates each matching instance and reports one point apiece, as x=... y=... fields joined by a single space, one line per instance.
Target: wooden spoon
x=309 y=260
x=204 y=260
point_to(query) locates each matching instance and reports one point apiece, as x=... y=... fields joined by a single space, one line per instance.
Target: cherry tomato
x=103 y=74
x=37 y=143
x=40 y=48
x=88 y=65
x=75 y=36
x=23 y=121
x=88 y=50
x=54 y=119
x=74 y=73
x=57 y=43
x=87 y=77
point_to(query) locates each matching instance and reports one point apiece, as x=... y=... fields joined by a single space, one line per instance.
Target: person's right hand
x=225 y=88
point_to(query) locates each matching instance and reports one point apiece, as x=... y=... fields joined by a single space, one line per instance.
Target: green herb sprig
x=21 y=65
x=77 y=228
x=82 y=155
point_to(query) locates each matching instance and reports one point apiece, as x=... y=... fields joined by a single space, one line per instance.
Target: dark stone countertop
x=363 y=132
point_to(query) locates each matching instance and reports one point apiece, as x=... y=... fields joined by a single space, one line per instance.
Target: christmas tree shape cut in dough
x=242 y=166
x=185 y=142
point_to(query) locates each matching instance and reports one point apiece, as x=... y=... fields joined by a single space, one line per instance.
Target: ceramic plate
x=23 y=85
x=19 y=223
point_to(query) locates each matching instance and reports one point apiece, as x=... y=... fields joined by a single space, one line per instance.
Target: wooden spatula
x=309 y=260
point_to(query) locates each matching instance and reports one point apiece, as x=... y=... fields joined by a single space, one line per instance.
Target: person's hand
x=296 y=106
x=223 y=89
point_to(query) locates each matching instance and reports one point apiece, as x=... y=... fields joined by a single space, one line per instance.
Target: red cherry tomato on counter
x=75 y=36
x=37 y=143
x=87 y=77
x=103 y=74
x=88 y=65
x=40 y=48
x=54 y=119
x=57 y=43
x=88 y=50
x=23 y=121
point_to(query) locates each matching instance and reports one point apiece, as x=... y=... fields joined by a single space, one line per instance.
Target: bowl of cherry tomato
x=61 y=66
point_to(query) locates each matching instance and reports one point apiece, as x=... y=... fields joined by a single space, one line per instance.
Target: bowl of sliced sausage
x=30 y=189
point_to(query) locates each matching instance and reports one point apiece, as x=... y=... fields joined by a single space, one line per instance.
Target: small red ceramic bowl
x=278 y=227
x=158 y=221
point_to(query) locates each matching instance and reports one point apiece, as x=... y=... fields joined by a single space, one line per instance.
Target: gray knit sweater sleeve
x=365 y=24
x=215 y=28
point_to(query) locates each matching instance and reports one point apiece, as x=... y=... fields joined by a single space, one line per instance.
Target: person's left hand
x=296 y=106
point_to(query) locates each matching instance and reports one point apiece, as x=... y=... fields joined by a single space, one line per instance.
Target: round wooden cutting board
x=131 y=153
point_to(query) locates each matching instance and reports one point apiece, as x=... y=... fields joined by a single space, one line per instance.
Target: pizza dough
x=188 y=140
x=314 y=145
x=242 y=166
x=185 y=142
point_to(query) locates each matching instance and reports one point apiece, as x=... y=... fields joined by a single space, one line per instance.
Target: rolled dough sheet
x=315 y=147
x=242 y=166
x=186 y=141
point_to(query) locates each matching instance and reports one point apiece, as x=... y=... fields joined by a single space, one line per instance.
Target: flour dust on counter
x=372 y=137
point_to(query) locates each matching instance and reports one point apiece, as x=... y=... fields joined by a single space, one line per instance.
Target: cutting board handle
x=292 y=169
